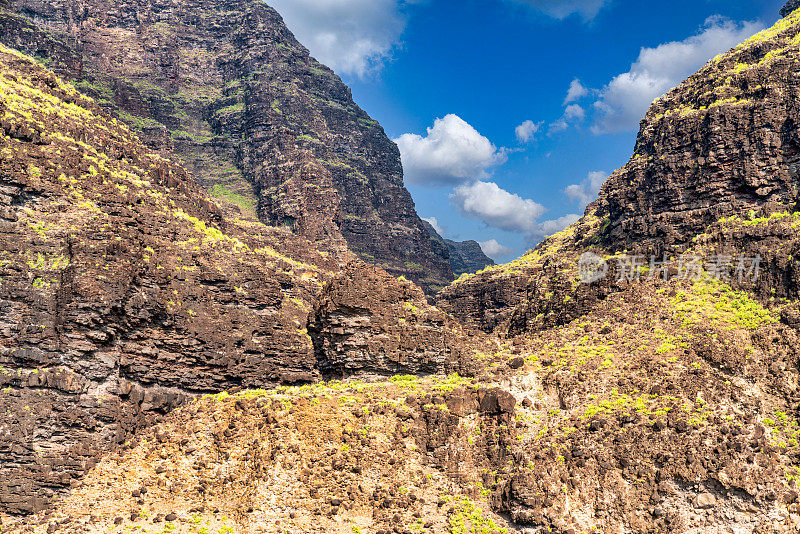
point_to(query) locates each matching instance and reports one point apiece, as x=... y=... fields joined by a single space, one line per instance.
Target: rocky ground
x=670 y=408
x=125 y=291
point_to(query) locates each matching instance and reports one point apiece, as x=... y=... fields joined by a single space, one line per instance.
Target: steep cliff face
x=723 y=144
x=257 y=120
x=465 y=256
x=125 y=291
x=364 y=325
x=654 y=405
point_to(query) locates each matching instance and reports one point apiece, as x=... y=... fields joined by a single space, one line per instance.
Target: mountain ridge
x=254 y=117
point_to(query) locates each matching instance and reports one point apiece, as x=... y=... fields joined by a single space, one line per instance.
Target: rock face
x=367 y=323
x=724 y=144
x=125 y=291
x=465 y=257
x=790 y=6
x=120 y=280
x=621 y=405
x=258 y=121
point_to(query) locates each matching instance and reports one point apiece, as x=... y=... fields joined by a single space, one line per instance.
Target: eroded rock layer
x=363 y=324
x=724 y=142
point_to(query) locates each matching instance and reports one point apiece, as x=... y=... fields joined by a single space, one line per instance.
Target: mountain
x=724 y=144
x=169 y=364
x=465 y=256
x=125 y=292
x=226 y=86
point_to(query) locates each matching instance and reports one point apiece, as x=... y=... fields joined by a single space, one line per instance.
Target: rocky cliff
x=259 y=122
x=725 y=143
x=465 y=256
x=362 y=325
x=644 y=403
x=125 y=291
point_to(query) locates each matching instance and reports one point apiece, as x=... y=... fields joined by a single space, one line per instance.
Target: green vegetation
x=138 y=123
x=783 y=25
x=752 y=220
x=247 y=204
x=99 y=90
x=229 y=111
x=714 y=302
x=469 y=519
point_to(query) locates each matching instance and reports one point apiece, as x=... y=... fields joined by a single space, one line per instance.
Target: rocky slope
x=124 y=290
x=629 y=404
x=670 y=408
x=465 y=256
x=256 y=119
x=724 y=143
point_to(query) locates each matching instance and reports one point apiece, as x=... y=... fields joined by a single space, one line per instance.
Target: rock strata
x=368 y=323
x=125 y=291
x=790 y=6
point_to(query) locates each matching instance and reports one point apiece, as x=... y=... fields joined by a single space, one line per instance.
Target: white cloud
x=350 y=36
x=560 y=9
x=587 y=190
x=573 y=114
x=548 y=228
x=575 y=92
x=624 y=101
x=496 y=207
x=494 y=249
x=558 y=126
x=527 y=130
x=435 y=223
x=452 y=152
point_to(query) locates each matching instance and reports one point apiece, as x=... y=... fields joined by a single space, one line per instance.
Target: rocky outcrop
x=539 y=290
x=126 y=292
x=724 y=144
x=260 y=123
x=669 y=408
x=122 y=289
x=465 y=257
x=790 y=6
x=369 y=323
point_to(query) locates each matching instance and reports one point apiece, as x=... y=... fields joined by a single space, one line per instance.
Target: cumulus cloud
x=452 y=152
x=548 y=228
x=433 y=221
x=350 y=36
x=496 y=207
x=527 y=130
x=625 y=99
x=575 y=92
x=494 y=249
x=560 y=9
x=587 y=190
x=573 y=114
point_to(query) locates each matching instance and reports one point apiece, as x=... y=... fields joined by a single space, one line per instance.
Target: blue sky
x=476 y=94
